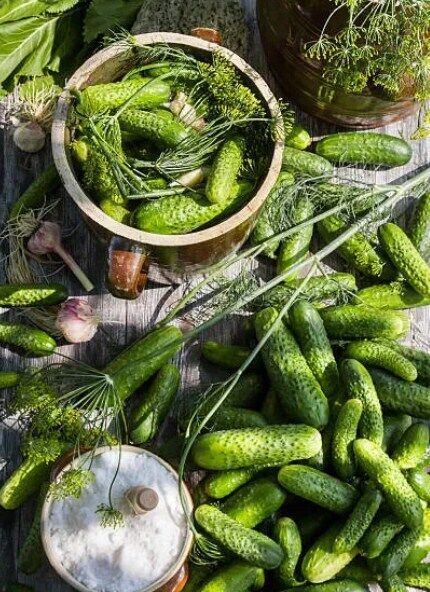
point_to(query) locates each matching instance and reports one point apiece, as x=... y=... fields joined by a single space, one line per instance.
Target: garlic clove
x=77 y=320
x=29 y=137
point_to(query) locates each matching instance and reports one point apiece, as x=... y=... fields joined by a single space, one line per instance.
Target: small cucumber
x=401 y=396
x=32 y=294
x=295 y=248
x=229 y=418
x=382 y=530
x=300 y=394
x=405 y=257
x=298 y=138
x=402 y=499
x=358 y=521
x=251 y=447
x=254 y=502
x=8 y=379
x=306 y=163
x=226 y=356
x=197 y=575
x=368 y=148
x=115 y=211
x=101 y=97
x=238 y=576
x=373 y=353
x=390 y=561
x=222 y=483
x=420 y=483
x=336 y=586
x=363 y=322
x=418 y=576
x=33 y=197
x=31 y=555
x=246 y=543
x=33 y=341
x=422 y=547
x=412 y=446
x=358 y=385
x=397 y=295
x=154 y=404
x=225 y=169
x=318 y=487
x=344 y=434
x=146 y=125
x=24 y=482
x=394 y=584
x=287 y=535
x=321 y=562
x=310 y=333
x=419 y=358
x=394 y=428
x=419 y=230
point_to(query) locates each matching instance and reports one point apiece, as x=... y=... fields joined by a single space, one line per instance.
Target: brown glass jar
x=286 y=26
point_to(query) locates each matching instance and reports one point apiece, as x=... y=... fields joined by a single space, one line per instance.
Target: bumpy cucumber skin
x=382 y=530
x=309 y=330
x=248 y=544
x=397 y=295
x=402 y=499
x=115 y=211
x=222 y=483
x=229 y=418
x=361 y=322
x=419 y=358
x=318 y=487
x=290 y=375
x=287 y=535
x=226 y=356
x=150 y=126
x=390 y=561
x=394 y=584
x=419 y=231
x=306 y=163
x=33 y=341
x=225 y=169
x=358 y=521
x=401 y=396
x=111 y=95
x=418 y=577
x=154 y=404
x=335 y=586
x=34 y=195
x=8 y=379
x=420 y=483
x=405 y=257
x=298 y=138
x=254 y=502
x=412 y=446
x=31 y=555
x=358 y=385
x=373 y=353
x=344 y=434
x=32 y=294
x=238 y=576
x=321 y=563
x=394 y=428
x=357 y=250
x=365 y=148
x=23 y=483
x=294 y=248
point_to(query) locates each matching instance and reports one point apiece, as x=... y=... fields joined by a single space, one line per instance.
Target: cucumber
x=422 y=547
x=368 y=148
x=344 y=434
x=358 y=199
x=33 y=341
x=8 y=379
x=321 y=563
x=418 y=577
x=278 y=200
x=31 y=555
x=376 y=354
x=298 y=138
x=318 y=487
x=401 y=396
x=299 y=392
x=306 y=163
x=336 y=586
x=382 y=530
x=34 y=196
x=271 y=408
x=254 y=502
x=310 y=333
x=394 y=428
x=32 y=294
x=287 y=535
x=197 y=575
x=356 y=570
x=419 y=230
x=362 y=322
x=225 y=169
x=146 y=125
x=390 y=561
x=401 y=498
x=357 y=250
x=115 y=211
x=222 y=483
x=295 y=248
x=154 y=404
x=238 y=576
x=405 y=257
x=358 y=521
x=394 y=584
x=235 y=417
x=419 y=358
x=420 y=483
x=24 y=482
x=412 y=446
x=226 y=356
x=397 y=295
x=248 y=544
x=253 y=447
x=101 y=97
x=358 y=385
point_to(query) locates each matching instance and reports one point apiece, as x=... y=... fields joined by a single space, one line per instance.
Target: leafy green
x=15 y=10
x=103 y=16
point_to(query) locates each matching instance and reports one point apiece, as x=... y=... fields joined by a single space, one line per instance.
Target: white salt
x=132 y=556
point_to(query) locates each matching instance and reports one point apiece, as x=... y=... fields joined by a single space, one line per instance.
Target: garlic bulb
x=29 y=137
x=77 y=320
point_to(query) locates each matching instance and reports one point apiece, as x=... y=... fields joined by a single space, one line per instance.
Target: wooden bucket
x=131 y=251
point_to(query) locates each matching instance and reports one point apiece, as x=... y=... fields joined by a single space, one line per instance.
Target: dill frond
x=110 y=517
x=70 y=484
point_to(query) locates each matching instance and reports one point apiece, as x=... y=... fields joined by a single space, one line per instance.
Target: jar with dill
x=357 y=63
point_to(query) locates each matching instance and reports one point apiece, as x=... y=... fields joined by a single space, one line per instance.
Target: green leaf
x=62 y=6
x=15 y=10
x=36 y=62
x=103 y=16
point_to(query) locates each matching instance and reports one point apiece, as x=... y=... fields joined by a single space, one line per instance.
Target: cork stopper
x=142 y=499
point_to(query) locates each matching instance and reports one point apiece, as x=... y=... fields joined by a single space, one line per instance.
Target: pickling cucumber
x=32 y=294
x=24 y=482
x=306 y=163
x=405 y=257
x=287 y=535
x=394 y=428
x=368 y=148
x=344 y=434
x=401 y=396
x=101 y=97
x=382 y=530
x=396 y=295
x=298 y=138
x=226 y=356
x=246 y=543
x=8 y=379
x=220 y=484
x=225 y=169
x=419 y=480
x=373 y=353
x=418 y=576
x=299 y=392
x=295 y=248
x=31 y=555
x=227 y=418
x=363 y=322
x=33 y=197
x=147 y=125
x=394 y=584
x=115 y=211
x=419 y=229
x=253 y=447
x=402 y=499
x=238 y=576
x=33 y=341
x=419 y=358
x=412 y=446
x=318 y=487
x=335 y=586
x=310 y=333
x=390 y=561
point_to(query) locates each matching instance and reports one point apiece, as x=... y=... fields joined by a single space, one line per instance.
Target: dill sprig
x=71 y=484
x=110 y=517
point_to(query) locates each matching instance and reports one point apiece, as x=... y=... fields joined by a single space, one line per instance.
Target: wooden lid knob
x=142 y=499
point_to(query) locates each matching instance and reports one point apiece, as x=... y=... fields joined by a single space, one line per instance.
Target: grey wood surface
x=124 y=321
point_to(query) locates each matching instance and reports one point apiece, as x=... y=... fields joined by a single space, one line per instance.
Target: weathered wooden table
x=124 y=321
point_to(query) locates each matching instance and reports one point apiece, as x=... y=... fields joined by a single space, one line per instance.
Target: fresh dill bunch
x=46 y=449
x=33 y=393
x=71 y=484
x=110 y=516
